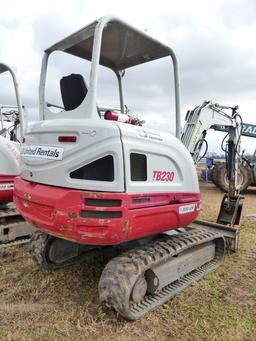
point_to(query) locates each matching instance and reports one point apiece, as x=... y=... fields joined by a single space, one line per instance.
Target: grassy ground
x=64 y=305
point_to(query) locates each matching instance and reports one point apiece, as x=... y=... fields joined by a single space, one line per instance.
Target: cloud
x=213 y=41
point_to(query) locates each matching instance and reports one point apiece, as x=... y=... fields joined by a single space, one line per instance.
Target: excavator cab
x=114 y=45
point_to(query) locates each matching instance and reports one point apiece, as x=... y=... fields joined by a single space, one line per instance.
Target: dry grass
x=64 y=305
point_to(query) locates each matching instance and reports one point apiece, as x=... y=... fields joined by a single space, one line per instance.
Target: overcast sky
x=214 y=42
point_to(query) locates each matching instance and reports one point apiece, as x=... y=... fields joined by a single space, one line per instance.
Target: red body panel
x=6 y=188
x=101 y=218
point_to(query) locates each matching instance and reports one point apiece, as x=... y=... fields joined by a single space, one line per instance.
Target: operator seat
x=73 y=91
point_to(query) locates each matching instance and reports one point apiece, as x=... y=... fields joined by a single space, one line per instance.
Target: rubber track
x=121 y=273
x=38 y=249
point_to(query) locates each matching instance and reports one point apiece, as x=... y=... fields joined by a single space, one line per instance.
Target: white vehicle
x=11 y=130
x=13 y=229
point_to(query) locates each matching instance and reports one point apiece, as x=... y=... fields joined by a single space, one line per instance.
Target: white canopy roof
x=122 y=45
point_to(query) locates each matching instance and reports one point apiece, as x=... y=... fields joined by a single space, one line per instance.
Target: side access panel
x=156 y=162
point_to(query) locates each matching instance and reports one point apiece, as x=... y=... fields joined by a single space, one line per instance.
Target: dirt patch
x=212 y=196
x=13 y=254
x=23 y=307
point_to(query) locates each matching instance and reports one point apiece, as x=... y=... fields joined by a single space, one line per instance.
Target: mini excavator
x=93 y=177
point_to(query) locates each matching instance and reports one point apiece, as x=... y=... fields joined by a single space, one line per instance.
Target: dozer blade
x=230 y=234
x=230 y=210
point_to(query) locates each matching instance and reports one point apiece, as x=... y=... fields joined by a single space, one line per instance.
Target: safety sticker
x=42 y=152
x=187 y=209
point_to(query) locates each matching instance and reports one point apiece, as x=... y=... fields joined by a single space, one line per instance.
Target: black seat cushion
x=73 y=91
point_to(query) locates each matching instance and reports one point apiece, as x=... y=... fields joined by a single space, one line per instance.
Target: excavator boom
x=198 y=122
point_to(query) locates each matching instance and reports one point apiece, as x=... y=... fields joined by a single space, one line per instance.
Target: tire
x=222 y=181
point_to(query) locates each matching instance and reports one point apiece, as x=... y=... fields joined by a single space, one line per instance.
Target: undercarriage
x=14 y=230
x=145 y=278
x=146 y=273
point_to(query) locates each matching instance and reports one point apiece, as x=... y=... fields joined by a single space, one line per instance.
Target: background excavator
x=247 y=170
x=13 y=229
x=92 y=177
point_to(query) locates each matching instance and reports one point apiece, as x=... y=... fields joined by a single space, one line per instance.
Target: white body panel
x=165 y=153
x=9 y=157
x=98 y=138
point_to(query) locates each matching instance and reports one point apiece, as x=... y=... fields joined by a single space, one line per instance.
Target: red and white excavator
x=93 y=177
x=13 y=229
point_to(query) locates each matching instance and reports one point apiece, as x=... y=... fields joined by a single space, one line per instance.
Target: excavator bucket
x=230 y=210
x=227 y=223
